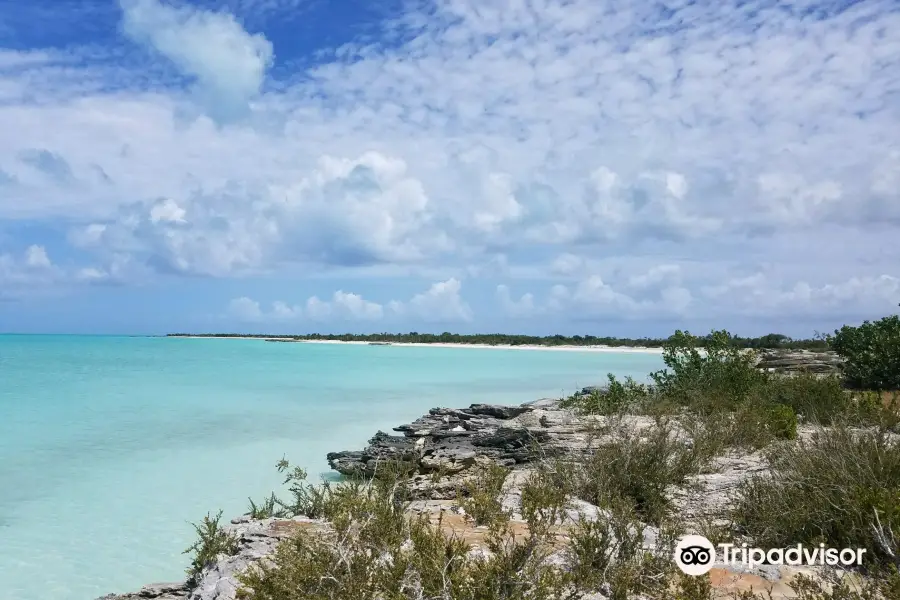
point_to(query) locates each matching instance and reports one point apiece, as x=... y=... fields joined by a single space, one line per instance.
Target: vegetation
x=375 y=549
x=635 y=472
x=841 y=487
x=834 y=455
x=772 y=340
x=871 y=352
x=479 y=499
x=212 y=541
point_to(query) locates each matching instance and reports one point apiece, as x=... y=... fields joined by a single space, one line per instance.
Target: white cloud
x=86 y=236
x=761 y=296
x=36 y=258
x=282 y=311
x=166 y=211
x=356 y=306
x=500 y=204
x=245 y=309
x=523 y=307
x=229 y=64
x=362 y=211
x=342 y=306
x=567 y=264
x=656 y=276
x=441 y=302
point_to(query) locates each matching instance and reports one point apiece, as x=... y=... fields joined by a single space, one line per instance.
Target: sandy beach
x=609 y=349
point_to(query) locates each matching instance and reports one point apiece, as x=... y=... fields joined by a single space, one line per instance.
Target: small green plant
x=607 y=553
x=781 y=421
x=617 y=398
x=266 y=509
x=480 y=498
x=637 y=469
x=871 y=353
x=545 y=495
x=817 y=399
x=688 y=587
x=212 y=541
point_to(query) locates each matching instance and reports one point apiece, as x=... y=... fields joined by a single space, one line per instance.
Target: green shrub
x=617 y=398
x=266 y=509
x=306 y=499
x=871 y=353
x=842 y=488
x=212 y=541
x=607 y=552
x=480 y=497
x=885 y=585
x=750 y=426
x=709 y=373
x=545 y=496
x=781 y=421
x=636 y=470
x=814 y=398
x=377 y=551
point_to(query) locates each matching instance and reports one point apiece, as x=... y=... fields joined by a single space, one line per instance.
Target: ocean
x=111 y=446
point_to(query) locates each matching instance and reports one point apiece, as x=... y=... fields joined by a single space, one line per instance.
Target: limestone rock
x=795 y=361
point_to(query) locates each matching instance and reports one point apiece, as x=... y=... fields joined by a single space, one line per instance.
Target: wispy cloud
x=228 y=63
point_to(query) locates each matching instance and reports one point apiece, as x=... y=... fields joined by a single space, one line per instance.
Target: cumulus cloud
x=344 y=305
x=345 y=212
x=523 y=307
x=440 y=303
x=29 y=273
x=245 y=309
x=228 y=63
x=754 y=296
x=341 y=306
x=758 y=296
x=36 y=258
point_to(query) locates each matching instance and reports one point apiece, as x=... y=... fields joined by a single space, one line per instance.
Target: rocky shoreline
x=442 y=448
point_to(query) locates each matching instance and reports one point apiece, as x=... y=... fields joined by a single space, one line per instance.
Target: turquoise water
x=109 y=446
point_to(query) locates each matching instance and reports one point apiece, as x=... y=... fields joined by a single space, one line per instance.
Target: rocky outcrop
x=448 y=441
x=795 y=361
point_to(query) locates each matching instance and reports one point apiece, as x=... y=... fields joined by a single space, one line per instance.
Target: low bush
x=212 y=541
x=480 y=498
x=636 y=470
x=886 y=586
x=814 y=398
x=708 y=373
x=618 y=397
x=376 y=551
x=266 y=509
x=871 y=353
x=607 y=553
x=841 y=488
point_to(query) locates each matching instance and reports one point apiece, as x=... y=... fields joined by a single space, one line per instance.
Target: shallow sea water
x=110 y=446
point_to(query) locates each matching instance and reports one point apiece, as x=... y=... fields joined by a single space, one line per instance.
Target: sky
x=605 y=167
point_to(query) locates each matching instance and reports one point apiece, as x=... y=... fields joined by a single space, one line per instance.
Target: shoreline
x=561 y=348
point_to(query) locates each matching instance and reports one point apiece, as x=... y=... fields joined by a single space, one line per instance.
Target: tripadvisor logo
x=696 y=555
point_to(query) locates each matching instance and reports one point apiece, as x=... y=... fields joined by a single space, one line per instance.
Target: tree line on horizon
x=772 y=340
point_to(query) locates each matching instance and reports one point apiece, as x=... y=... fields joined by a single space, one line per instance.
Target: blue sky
x=575 y=166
